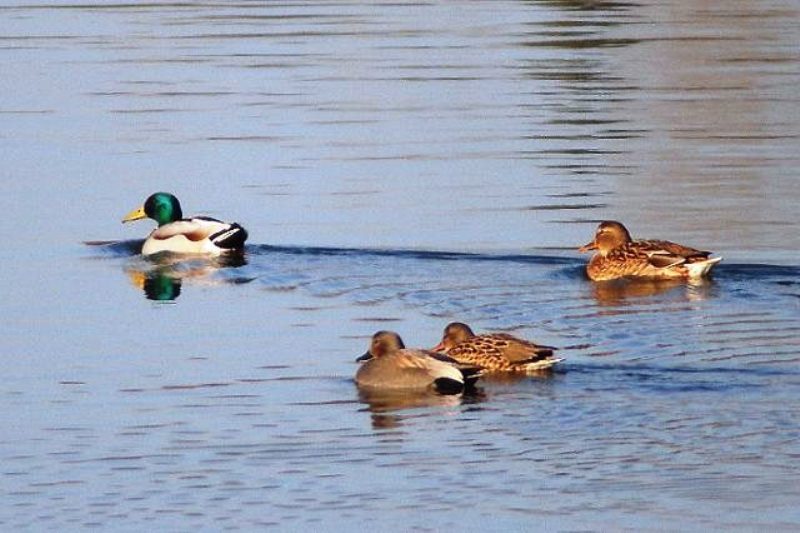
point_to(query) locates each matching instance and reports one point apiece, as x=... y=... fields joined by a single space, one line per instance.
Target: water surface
x=398 y=167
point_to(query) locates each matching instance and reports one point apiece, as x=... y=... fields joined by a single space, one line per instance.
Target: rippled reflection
x=514 y=378
x=391 y=410
x=381 y=403
x=625 y=291
x=156 y=284
x=161 y=277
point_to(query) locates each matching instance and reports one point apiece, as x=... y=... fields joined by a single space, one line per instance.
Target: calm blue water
x=398 y=167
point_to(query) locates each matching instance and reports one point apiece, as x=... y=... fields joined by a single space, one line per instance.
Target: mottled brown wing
x=628 y=254
x=620 y=262
x=477 y=352
x=518 y=350
x=675 y=249
x=665 y=260
x=664 y=254
x=439 y=356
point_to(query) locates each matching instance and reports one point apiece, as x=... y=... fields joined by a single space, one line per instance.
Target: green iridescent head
x=162 y=207
x=161 y=287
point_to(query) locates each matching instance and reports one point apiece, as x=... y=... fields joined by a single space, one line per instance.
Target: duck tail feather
x=448 y=386
x=231 y=238
x=698 y=269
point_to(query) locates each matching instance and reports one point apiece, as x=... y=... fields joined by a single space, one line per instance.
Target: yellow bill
x=136 y=214
x=137 y=278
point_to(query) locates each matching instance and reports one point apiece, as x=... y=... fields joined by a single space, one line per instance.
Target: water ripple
x=733 y=318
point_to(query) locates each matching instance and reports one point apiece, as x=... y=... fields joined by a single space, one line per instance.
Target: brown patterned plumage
x=620 y=256
x=495 y=352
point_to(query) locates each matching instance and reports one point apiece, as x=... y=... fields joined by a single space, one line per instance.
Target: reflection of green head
x=163 y=207
x=161 y=287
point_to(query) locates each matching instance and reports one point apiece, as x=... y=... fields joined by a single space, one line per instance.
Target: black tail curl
x=231 y=238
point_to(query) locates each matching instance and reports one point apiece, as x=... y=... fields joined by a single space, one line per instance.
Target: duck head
x=454 y=333
x=609 y=235
x=162 y=207
x=383 y=343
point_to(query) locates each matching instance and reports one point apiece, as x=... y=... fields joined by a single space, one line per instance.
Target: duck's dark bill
x=366 y=357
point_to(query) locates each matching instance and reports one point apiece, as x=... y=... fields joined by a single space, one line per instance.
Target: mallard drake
x=390 y=366
x=195 y=235
x=494 y=352
x=619 y=256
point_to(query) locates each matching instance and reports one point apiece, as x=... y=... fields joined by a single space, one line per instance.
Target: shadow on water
x=261 y=259
x=429 y=255
x=741 y=272
x=676 y=379
x=734 y=271
x=116 y=248
x=745 y=314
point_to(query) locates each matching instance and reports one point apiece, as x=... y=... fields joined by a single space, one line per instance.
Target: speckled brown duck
x=495 y=352
x=619 y=256
x=390 y=366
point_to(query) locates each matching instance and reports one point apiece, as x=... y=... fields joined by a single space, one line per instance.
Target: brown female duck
x=619 y=256
x=494 y=352
x=390 y=366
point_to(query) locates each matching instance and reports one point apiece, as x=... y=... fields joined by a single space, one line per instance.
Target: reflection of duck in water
x=161 y=280
x=615 y=292
x=195 y=235
x=386 y=407
x=390 y=366
x=619 y=291
x=495 y=352
x=620 y=256
x=156 y=284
